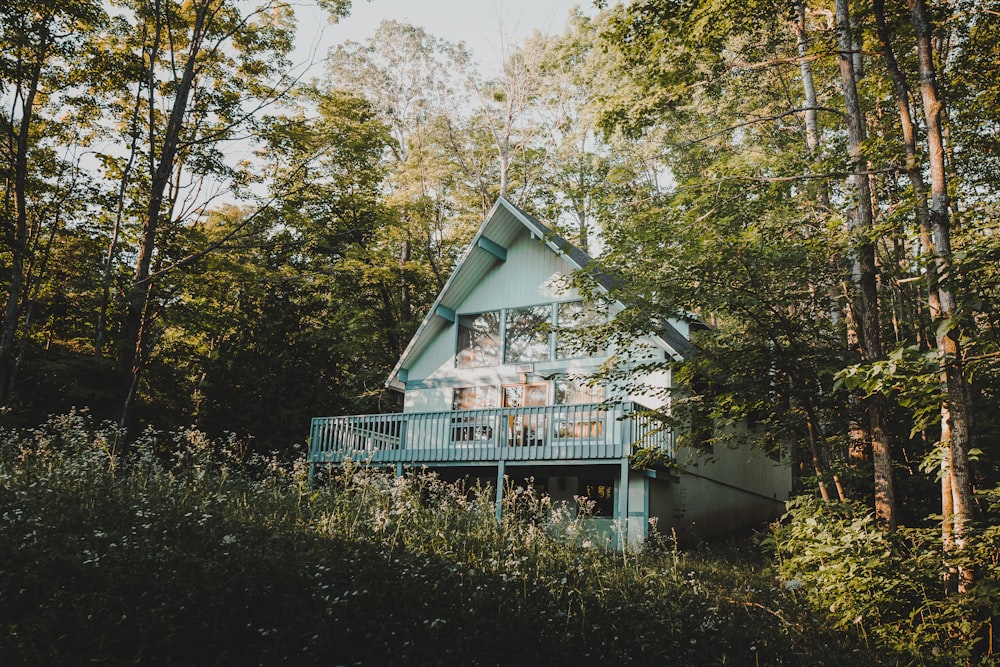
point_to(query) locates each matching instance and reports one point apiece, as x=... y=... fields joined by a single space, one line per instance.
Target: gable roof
x=488 y=248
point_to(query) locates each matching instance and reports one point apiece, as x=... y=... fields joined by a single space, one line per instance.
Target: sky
x=484 y=25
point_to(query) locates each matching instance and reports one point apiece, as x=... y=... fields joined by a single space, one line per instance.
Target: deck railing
x=592 y=431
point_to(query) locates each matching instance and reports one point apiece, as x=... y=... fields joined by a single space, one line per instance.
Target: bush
x=889 y=589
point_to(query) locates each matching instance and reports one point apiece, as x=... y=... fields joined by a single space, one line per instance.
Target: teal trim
x=403 y=375
x=487 y=435
x=445 y=313
x=623 y=496
x=493 y=248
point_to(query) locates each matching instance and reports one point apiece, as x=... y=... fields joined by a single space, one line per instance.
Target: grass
x=178 y=551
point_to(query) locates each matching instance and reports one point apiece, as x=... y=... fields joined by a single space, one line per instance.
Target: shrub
x=889 y=588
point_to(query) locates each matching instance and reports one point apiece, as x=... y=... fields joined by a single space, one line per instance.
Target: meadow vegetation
x=172 y=548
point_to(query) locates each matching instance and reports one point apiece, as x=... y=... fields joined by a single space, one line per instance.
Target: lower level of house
x=569 y=452
x=625 y=502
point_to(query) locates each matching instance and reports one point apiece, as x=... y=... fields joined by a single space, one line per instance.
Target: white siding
x=532 y=274
x=745 y=467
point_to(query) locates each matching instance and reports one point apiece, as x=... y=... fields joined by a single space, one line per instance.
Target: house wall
x=745 y=467
x=711 y=509
x=703 y=502
x=532 y=275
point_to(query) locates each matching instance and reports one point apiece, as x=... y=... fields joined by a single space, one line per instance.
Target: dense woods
x=195 y=233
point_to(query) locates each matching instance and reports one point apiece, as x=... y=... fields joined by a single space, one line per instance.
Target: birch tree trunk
x=864 y=301
x=955 y=411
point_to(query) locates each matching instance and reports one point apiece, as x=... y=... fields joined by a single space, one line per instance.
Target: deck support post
x=399 y=469
x=501 y=473
x=623 y=503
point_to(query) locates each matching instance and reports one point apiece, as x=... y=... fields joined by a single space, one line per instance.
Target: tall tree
x=586 y=176
x=865 y=303
x=720 y=89
x=206 y=68
x=955 y=410
x=39 y=41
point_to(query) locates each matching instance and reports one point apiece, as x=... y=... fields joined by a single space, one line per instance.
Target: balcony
x=591 y=432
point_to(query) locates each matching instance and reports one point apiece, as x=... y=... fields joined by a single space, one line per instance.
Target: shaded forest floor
x=180 y=550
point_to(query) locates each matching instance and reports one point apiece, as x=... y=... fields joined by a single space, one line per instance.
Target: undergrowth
x=176 y=550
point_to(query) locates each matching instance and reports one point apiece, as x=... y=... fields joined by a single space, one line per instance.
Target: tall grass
x=174 y=549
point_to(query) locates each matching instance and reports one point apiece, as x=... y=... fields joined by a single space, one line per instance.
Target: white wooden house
x=494 y=386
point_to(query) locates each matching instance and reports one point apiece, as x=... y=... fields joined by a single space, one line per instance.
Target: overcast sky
x=482 y=24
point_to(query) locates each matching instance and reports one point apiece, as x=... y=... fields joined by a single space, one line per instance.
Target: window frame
x=547 y=328
x=458 y=349
x=553 y=324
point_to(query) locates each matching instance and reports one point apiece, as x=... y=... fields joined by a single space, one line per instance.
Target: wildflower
x=793 y=585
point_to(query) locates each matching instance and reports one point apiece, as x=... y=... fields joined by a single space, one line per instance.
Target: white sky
x=484 y=25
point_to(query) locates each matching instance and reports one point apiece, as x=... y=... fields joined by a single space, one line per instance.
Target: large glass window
x=572 y=319
x=573 y=391
x=578 y=420
x=526 y=427
x=527 y=332
x=477 y=427
x=475 y=398
x=478 y=340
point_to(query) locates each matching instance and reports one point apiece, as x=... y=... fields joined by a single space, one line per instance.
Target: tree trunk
x=101 y=327
x=808 y=83
x=18 y=229
x=865 y=298
x=956 y=411
x=913 y=171
x=405 y=298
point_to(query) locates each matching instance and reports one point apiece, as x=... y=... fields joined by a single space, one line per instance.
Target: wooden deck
x=570 y=433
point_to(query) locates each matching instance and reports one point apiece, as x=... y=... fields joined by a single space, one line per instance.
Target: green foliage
x=178 y=549
x=889 y=588
x=909 y=374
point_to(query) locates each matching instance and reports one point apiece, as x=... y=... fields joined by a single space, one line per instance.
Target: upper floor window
x=573 y=318
x=527 y=334
x=478 y=340
x=574 y=390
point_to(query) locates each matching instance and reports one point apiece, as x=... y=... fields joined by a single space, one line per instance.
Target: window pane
x=474 y=428
x=474 y=398
x=528 y=334
x=478 y=340
x=600 y=496
x=573 y=318
x=570 y=391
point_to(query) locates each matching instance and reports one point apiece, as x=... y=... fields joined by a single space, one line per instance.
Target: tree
x=586 y=176
x=413 y=81
x=206 y=69
x=865 y=303
x=40 y=42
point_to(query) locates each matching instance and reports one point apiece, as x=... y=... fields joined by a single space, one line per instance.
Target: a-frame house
x=496 y=387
